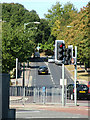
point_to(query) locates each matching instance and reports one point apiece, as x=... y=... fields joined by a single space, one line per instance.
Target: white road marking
x=26 y=111
x=50 y=74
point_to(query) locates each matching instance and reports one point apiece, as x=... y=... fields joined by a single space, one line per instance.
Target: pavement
x=50 y=110
x=81 y=81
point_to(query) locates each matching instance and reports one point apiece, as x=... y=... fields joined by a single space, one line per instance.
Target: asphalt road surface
x=28 y=114
x=52 y=79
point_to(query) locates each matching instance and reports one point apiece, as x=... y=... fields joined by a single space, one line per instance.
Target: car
x=42 y=70
x=88 y=90
x=57 y=62
x=36 y=55
x=82 y=91
x=51 y=59
x=88 y=86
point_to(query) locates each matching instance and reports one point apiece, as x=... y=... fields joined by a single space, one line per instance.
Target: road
x=29 y=114
x=51 y=105
x=52 y=79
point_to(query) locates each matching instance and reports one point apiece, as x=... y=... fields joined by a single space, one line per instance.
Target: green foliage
x=78 y=34
x=20 y=43
x=16 y=42
x=48 y=48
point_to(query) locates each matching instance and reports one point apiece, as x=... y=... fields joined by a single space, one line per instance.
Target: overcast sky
x=42 y=6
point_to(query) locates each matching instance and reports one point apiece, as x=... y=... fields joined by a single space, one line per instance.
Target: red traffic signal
x=61 y=46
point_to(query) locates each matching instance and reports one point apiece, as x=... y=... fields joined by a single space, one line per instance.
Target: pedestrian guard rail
x=30 y=91
x=39 y=94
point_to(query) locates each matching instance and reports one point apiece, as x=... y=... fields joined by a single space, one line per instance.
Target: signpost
x=43 y=90
x=23 y=82
x=75 y=93
x=16 y=69
x=63 y=85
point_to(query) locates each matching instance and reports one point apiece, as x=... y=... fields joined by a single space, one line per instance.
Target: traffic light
x=69 y=55
x=60 y=51
x=66 y=56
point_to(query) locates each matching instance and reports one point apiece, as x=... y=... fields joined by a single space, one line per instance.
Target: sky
x=42 y=6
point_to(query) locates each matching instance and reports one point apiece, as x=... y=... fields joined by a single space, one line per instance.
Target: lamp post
x=24 y=63
x=69 y=26
x=30 y=23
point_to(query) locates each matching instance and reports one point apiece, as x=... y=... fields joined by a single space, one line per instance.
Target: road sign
x=43 y=89
x=61 y=81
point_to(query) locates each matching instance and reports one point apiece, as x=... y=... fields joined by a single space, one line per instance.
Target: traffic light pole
x=63 y=84
x=75 y=96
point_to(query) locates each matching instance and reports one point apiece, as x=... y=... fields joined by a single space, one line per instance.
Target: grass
x=82 y=75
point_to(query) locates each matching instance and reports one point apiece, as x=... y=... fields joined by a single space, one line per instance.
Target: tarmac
x=52 y=110
x=81 y=110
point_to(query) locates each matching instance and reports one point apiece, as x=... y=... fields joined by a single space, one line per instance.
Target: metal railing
x=39 y=95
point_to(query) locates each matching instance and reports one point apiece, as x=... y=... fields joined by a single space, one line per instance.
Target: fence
x=39 y=94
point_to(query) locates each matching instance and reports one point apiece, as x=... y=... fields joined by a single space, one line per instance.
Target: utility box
x=4 y=96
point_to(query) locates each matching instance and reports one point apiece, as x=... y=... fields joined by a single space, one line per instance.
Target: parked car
x=43 y=70
x=88 y=90
x=51 y=59
x=88 y=86
x=82 y=91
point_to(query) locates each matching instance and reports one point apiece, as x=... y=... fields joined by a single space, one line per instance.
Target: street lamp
x=69 y=26
x=24 y=63
x=30 y=23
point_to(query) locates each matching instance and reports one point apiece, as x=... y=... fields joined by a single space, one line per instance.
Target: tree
x=59 y=17
x=54 y=13
x=15 y=41
x=78 y=35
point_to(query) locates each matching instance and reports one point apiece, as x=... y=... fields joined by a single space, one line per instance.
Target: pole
x=63 y=84
x=75 y=96
x=23 y=82
x=34 y=95
x=23 y=75
x=16 y=69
